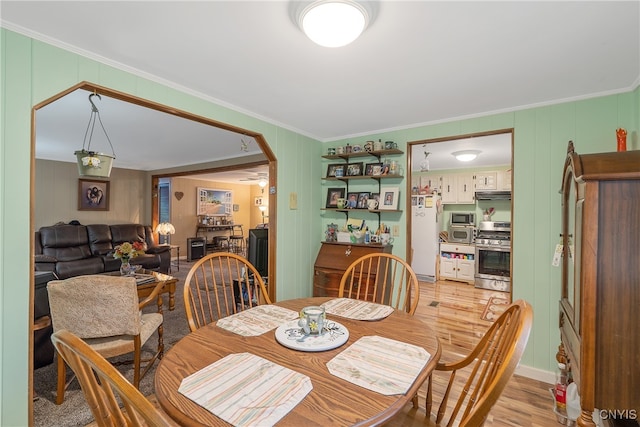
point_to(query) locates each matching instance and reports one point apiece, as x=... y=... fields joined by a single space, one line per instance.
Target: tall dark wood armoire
x=600 y=300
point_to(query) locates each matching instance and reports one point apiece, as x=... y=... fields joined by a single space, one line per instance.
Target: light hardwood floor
x=453 y=310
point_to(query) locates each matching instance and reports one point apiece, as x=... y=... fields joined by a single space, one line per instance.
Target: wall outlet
x=293 y=200
x=396 y=231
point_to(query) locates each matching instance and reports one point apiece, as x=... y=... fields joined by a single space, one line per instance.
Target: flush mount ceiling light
x=333 y=23
x=465 y=155
x=263 y=182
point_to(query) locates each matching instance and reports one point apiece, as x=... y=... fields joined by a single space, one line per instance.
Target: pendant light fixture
x=334 y=23
x=92 y=163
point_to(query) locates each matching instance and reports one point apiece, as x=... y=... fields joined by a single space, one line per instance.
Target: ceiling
x=418 y=62
x=493 y=150
x=142 y=138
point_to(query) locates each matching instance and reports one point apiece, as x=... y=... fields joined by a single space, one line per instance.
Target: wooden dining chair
x=490 y=365
x=102 y=384
x=105 y=311
x=382 y=278
x=219 y=285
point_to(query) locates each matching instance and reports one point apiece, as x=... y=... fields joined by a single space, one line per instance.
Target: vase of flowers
x=125 y=252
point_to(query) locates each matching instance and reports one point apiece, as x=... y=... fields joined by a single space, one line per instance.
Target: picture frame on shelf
x=352 y=200
x=354 y=169
x=376 y=197
x=93 y=195
x=335 y=170
x=373 y=169
x=333 y=194
x=363 y=200
x=389 y=198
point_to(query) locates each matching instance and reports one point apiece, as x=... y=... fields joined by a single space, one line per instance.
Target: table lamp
x=164 y=229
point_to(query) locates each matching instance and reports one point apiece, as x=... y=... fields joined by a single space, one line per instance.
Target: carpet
x=494 y=308
x=74 y=410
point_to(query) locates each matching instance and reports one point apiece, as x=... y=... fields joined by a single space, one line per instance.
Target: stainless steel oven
x=493 y=256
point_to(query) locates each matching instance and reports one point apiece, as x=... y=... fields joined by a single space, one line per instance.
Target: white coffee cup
x=372 y=204
x=385 y=238
x=312 y=320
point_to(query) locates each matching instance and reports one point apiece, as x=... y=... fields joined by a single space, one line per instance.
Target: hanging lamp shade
x=93 y=163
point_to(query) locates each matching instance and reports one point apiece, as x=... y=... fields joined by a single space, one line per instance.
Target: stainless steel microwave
x=462 y=218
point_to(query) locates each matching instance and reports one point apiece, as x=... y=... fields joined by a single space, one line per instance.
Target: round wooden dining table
x=332 y=401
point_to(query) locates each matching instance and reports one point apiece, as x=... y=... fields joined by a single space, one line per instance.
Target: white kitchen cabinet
x=504 y=180
x=457 y=262
x=486 y=181
x=466 y=188
x=433 y=181
x=449 y=188
x=458 y=188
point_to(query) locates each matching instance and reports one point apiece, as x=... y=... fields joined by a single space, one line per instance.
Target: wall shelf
x=377 y=154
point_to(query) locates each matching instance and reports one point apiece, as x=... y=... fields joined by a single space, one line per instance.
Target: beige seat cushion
x=111 y=347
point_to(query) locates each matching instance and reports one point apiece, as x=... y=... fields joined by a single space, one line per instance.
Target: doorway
x=266 y=157
x=478 y=190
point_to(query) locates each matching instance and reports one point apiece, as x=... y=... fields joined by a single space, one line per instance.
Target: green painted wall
x=32 y=71
x=540 y=145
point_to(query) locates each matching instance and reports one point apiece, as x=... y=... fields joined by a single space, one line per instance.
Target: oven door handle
x=493 y=248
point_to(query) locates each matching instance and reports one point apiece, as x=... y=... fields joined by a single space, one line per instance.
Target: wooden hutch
x=600 y=301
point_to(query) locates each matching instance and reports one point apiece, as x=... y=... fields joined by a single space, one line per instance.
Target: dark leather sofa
x=73 y=250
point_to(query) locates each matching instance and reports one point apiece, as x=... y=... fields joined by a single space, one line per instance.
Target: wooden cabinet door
x=430 y=180
x=466 y=189
x=487 y=181
x=448 y=267
x=466 y=269
x=504 y=180
x=326 y=283
x=449 y=189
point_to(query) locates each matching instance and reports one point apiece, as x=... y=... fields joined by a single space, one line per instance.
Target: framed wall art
x=363 y=200
x=335 y=170
x=373 y=169
x=352 y=200
x=354 y=169
x=93 y=195
x=214 y=202
x=333 y=194
x=389 y=198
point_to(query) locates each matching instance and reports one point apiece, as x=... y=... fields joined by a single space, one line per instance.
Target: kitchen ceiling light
x=262 y=183
x=333 y=23
x=465 y=155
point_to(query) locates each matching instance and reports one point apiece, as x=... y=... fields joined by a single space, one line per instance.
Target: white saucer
x=290 y=335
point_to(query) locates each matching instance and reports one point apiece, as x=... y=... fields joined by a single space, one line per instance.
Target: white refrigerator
x=425 y=230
